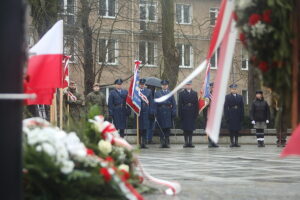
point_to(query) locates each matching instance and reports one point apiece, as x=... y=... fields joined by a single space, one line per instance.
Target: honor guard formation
x=160 y=116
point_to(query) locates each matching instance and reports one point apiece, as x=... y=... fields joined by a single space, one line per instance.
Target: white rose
x=67 y=167
x=48 y=148
x=105 y=147
x=124 y=167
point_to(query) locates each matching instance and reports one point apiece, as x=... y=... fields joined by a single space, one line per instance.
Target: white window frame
x=182 y=56
x=146 y=53
x=215 y=56
x=75 y=49
x=246 y=58
x=147 y=5
x=106 y=11
x=216 y=11
x=106 y=53
x=182 y=14
x=65 y=11
x=247 y=96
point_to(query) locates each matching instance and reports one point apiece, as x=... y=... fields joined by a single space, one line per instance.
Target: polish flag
x=293 y=145
x=45 y=62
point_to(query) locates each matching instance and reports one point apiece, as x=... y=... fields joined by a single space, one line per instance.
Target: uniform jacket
x=260 y=111
x=165 y=111
x=97 y=98
x=75 y=106
x=118 y=109
x=234 y=111
x=146 y=109
x=188 y=109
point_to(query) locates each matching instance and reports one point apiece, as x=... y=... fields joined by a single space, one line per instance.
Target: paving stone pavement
x=242 y=173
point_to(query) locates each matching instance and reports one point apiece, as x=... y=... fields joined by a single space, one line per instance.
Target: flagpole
x=61 y=108
x=137 y=131
x=53 y=117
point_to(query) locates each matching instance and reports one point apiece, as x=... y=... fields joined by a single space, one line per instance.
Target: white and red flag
x=293 y=145
x=45 y=71
x=66 y=78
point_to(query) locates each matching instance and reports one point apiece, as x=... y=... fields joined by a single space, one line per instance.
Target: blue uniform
x=118 y=108
x=234 y=111
x=165 y=111
x=146 y=109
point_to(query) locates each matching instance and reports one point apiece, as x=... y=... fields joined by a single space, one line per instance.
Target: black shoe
x=191 y=145
x=143 y=146
x=185 y=145
x=237 y=145
x=215 y=145
x=232 y=145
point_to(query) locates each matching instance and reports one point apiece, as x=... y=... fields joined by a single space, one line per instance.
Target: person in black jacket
x=260 y=117
x=234 y=114
x=188 y=112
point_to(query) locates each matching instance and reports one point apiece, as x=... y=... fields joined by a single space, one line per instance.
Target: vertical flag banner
x=133 y=99
x=66 y=78
x=205 y=90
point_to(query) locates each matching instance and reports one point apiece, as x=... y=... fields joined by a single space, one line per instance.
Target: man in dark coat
x=234 y=113
x=188 y=112
x=211 y=143
x=165 y=112
x=117 y=108
x=75 y=101
x=145 y=113
x=260 y=117
x=97 y=98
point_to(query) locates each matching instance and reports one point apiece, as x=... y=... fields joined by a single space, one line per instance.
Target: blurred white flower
x=124 y=167
x=243 y=4
x=67 y=167
x=48 y=148
x=105 y=147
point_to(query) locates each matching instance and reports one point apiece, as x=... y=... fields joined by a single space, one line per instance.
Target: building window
x=68 y=8
x=185 y=55
x=147 y=13
x=214 y=59
x=245 y=59
x=107 y=8
x=108 y=51
x=183 y=14
x=147 y=52
x=106 y=91
x=245 y=96
x=70 y=48
x=213 y=14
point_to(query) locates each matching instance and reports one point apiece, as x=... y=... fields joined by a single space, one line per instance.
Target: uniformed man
x=211 y=144
x=188 y=112
x=97 y=98
x=118 y=110
x=234 y=113
x=165 y=112
x=145 y=113
x=75 y=101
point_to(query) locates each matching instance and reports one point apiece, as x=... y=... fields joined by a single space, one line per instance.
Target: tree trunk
x=89 y=77
x=12 y=58
x=170 y=53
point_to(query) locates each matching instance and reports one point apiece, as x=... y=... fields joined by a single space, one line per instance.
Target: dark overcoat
x=260 y=111
x=165 y=111
x=146 y=109
x=188 y=109
x=118 y=109
x=234 y=111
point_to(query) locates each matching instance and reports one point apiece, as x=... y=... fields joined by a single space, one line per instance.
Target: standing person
x=188 y=112
x=145 y=113
x=165 y=112
x=211 y=143
x=260 y=117
x=151 y=118
x=118 y=110
x=234 y=113
x=97 y=98
x=75 y=101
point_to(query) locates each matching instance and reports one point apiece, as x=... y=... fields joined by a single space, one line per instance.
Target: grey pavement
x=242 y=173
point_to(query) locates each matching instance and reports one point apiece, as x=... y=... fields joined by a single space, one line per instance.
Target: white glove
x=267 y=121
x=253 y=122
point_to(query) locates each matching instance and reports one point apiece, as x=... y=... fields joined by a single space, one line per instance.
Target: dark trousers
x=260 y=135
x=234 y=135
x=122 y=132
x=188 y=135
x=142 y=136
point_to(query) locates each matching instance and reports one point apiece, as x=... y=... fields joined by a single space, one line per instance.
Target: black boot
x=167 y=142
x=231 y=142
x=236 y=144
x=143 y=142
x=191 y=141
x=162 y=142
x=211 y=144
x=185 y=141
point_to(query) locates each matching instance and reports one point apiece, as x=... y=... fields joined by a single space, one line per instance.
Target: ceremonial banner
x=66 y=79
x=205 y=91
x=133 y=98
